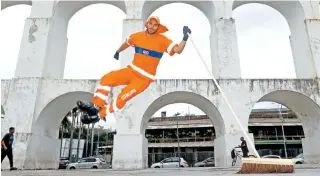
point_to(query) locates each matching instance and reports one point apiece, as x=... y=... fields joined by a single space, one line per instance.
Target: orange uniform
x=139 y=74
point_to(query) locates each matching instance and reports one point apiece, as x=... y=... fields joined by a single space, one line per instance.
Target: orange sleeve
x=131 y=40
x=169 y=45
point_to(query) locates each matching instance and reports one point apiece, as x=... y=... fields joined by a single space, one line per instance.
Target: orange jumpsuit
x=139 y=74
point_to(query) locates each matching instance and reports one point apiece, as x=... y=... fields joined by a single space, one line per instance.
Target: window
x=91 y=160
x=167 y=160
x=175 y=159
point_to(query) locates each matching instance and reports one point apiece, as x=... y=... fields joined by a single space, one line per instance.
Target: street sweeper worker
x=149 y=45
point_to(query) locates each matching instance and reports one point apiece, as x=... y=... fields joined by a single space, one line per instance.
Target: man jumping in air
x=149 y=48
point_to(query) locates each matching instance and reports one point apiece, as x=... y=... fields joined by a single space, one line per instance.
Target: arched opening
x=276 y=130
x=94 y=34
x=263 y=41
x=207 y=127
x=6 y=4
x=45 y=148
x=301 y=124
x=13 y=19
x=196 y=15
x=56 y=59
x=180 y=130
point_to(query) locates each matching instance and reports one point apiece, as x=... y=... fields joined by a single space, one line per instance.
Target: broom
x=253 y=165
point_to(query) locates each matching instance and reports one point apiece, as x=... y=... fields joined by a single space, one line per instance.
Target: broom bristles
x=266 y=165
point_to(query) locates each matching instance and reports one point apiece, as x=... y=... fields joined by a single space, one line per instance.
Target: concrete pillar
x=130 y=151
x=223 y=146
x=313 y=28
x=311 y=147
x=224 y=50
x=129 y=131
x=21 y=103
x=43 y=48
x=130 y=26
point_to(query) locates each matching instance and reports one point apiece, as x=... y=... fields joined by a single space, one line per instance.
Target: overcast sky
x=94 y=34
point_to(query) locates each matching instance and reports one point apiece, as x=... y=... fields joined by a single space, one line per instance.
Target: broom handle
x=234 y=114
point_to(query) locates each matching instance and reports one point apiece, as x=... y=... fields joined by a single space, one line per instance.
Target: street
x=308 y=171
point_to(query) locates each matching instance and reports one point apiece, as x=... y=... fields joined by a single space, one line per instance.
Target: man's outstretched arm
x=178 y=49
x=124 y=46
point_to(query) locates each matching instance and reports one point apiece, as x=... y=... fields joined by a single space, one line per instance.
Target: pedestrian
x=6 y=147
x=244 y=147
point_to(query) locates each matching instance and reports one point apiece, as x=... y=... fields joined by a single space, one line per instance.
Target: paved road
x=150 y=172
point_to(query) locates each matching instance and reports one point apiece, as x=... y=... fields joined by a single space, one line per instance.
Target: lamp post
x=98 y=145
x=177 y=115
x=284 y=138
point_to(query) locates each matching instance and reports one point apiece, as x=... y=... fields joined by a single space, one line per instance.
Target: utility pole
x=284 y=138
x=71 y=136
x=92 y=136
x=87 y=140
x=178 y=140
x=79 y=124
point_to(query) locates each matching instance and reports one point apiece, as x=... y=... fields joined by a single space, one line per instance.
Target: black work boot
x=90 y=108
x=87 y=119
x=13 y=168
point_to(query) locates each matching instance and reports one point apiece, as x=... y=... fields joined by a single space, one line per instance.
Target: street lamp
x=98 y=145
x=282 y=122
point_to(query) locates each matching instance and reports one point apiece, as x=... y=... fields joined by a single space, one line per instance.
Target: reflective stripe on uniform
x=100 y=95
x=107 y=88
x=144 y=73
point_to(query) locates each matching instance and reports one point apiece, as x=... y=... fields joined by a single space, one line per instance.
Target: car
x=171 y=162
x=299 y=159
x=209 y=162
x=272 y=156
x=63 y=163
x=88 y=163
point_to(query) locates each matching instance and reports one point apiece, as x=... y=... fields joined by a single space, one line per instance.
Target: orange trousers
x=136 y=83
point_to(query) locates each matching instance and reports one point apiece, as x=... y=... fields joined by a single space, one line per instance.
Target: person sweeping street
x=149 y=45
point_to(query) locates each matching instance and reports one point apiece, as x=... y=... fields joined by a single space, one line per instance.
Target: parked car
x=171 y=162
x=63 y=163
x=209 y=162
x=299 y=159
x=272 y=156
x=89 y=163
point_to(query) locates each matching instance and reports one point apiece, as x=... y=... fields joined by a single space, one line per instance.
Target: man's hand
x=5 y=147
x=116 y=55
x=186 y=30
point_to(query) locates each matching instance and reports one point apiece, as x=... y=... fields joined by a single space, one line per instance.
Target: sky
x=94 y=34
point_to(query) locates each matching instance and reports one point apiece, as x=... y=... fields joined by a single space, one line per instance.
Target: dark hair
x=11 y=128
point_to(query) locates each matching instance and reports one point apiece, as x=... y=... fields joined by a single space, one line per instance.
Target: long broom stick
x=267 y=165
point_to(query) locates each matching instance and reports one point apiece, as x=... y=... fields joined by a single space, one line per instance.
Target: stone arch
x=6 y=4
x=43 y=146
x=308 y=111
x=299 y=39
x=66 y=9
x=185 y=97
x=50 y=117
x=206 y=7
